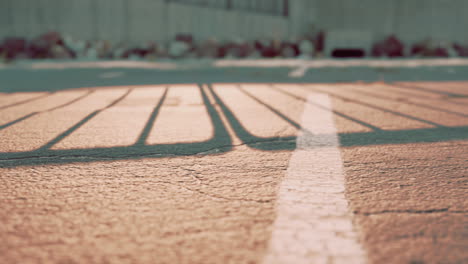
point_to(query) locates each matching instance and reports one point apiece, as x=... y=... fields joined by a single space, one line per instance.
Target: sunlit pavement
x=155 y=171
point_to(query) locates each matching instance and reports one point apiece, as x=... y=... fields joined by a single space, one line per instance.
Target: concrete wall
x=143 y=20
x=133 y=20
x=411 y=20
x=209 y=22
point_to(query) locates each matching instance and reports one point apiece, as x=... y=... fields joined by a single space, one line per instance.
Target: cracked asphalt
x=189 y=172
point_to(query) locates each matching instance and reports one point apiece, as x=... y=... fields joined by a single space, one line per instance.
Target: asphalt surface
x=104 y=171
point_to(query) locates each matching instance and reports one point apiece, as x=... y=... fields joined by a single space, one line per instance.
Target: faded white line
x=111 y=75
x=313 y=223
x=299 y=72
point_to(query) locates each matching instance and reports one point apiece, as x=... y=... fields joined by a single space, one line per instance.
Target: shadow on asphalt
x=221 y=141
x=379 y=136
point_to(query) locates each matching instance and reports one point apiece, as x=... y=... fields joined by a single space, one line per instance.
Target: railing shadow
x=408 y=102
x=25 y=101
x=427 y=90
x=262 y=143
x=381 y=108
x=381 y=137
x=27 y=116
x=221 y=141
x=353 y=119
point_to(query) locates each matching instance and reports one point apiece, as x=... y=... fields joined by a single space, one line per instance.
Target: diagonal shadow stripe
x=48 y=110
x=79 y=98
x=383 y=109
x=409 y=90
x=272 y=109
x=65 y=134
x=270 y=143
x=18 y=120
x=327 y=109
x=150 y=123
x=405 y=101
x=425 y=89
x=26 y=101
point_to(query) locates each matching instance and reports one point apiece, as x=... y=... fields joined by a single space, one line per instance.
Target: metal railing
x=271 y=7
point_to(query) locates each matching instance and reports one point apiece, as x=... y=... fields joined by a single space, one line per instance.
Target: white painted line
x=111 y=75
x=299 y=72
x=313 y=222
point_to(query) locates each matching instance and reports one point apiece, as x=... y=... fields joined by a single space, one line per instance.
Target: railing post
x=228 y=4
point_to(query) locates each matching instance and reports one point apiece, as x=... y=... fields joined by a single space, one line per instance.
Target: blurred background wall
x=136 y=21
